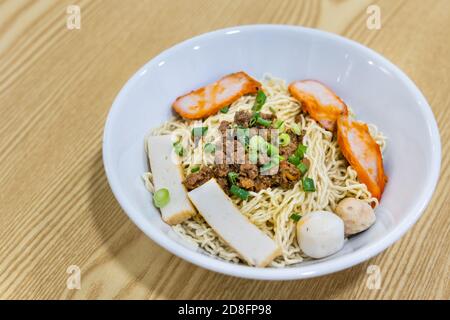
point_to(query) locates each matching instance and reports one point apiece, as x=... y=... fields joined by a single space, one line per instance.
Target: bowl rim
x=288 y=273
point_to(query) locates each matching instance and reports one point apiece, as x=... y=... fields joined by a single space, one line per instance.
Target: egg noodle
x=270 y=209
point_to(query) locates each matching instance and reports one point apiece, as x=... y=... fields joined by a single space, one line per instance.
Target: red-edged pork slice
x=363 y=154
x=322 y=104
x=208 y=100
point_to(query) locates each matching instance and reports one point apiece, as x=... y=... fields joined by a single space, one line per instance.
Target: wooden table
x=56 y=87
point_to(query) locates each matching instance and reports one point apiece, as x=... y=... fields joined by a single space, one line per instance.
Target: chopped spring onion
x=284 y=139
x=210 y=148
x=302 y=167
x=199 y=131
x=257 y=143
x=225 y=109
x=232 y=177
x=269 y=165
x=280 y=125
x=241 y=193
x=178 y=148
x=295 y=216
x=274 y=161
x=308 y=185
x=263 y=122
x=294 y=160
x=272 y=150
x=161 y=197
x=253 y=155
x=260 y=100
x=301 y=150
x=253 y=119
x=296 y=129
x=243 y=136
x=272 y=109
x=195 y=169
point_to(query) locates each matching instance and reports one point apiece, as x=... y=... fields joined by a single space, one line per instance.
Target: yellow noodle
x=270 y=209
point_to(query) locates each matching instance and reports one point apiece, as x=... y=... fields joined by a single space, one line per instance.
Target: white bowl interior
x=376 y=90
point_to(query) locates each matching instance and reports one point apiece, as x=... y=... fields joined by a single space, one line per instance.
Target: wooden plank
x=56 y=87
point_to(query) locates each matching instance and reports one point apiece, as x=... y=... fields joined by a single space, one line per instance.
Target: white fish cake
x=168 y=174
x=252 y=245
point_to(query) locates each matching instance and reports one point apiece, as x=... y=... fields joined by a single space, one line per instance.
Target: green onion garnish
x=274 y=161
x=260 y=100
x=295 y=217
x=271 y=149
x=302 y=167
x=199 y=131
x=263 y=122
x=243 y=136
x=253 y=119
x=241 y=193
x=301 y=150
x=280 y=125
x=225 y=109
x=277 y=124
x=195 y=169
x=210 y=148
x=308 y=185
x=284 y=139
x=296 y=129
x=269 y=165
x=257 y=143
x=272 y=109
x=178 y=148
x=161 y=197
x=232 y=177
x=253 y=155
x=294 y=160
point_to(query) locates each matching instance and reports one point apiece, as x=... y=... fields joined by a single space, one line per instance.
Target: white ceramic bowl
x=376 y=89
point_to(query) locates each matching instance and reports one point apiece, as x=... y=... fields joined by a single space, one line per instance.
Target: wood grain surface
x=56 y=87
